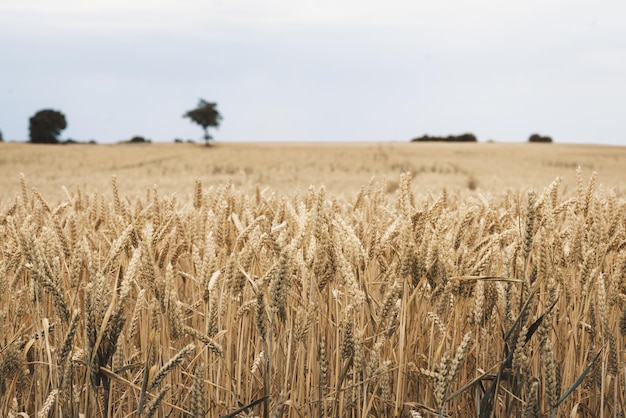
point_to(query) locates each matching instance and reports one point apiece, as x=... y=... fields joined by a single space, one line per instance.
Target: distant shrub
x=1 y=139
x=138 y=140
x=71 y=141
x=539 y=138
x=467 y=137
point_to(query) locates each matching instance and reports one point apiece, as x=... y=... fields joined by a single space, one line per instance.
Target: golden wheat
x=223 y=302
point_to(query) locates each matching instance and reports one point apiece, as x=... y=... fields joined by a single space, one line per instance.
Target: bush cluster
x=539 y=138
x=467 y=137
x=138 y=140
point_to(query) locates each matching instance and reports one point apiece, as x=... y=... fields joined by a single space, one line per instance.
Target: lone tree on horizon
x=205 y=115
x=45 y=126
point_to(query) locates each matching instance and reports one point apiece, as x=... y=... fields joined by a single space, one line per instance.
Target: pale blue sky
x=323 y=70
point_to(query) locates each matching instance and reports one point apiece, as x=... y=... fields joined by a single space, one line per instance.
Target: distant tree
x=45 y=126
x=539 y=138
x=1 y=139
x=205 y=115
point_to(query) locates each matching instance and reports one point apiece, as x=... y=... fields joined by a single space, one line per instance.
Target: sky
x=317 y=70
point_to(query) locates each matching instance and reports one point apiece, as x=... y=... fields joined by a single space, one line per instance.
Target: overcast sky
x=317 y=70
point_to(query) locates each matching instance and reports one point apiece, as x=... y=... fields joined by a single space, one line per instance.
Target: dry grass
x=258 y=303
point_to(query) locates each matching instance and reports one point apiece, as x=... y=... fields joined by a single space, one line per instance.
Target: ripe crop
x=234 y=303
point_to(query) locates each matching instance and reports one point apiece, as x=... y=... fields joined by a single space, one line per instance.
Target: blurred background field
x=289 y=167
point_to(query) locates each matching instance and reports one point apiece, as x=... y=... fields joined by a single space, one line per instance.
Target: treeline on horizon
x=424 y=138
x=46 y=126
x=468 y=137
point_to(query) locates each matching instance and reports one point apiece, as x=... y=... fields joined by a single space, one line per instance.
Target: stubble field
x=309 y=280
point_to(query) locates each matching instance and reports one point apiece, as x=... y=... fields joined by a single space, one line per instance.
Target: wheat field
x=242 y=292
x=343 y=168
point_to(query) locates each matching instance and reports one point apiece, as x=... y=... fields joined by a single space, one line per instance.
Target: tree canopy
x=45 y=126
x=205 y=115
